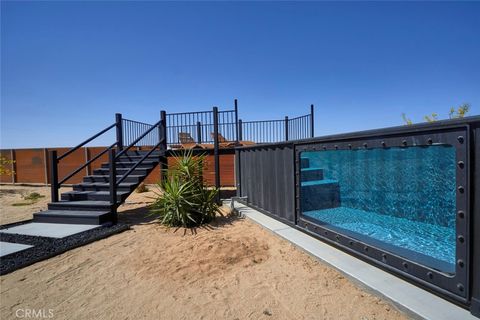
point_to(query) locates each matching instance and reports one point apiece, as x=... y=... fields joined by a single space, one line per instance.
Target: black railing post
x=162 y=136
x=237 y=134
x=238 y=173
x=119 y=126
x=199 y=132
x=54 y=175
x=215 y=151
x=312 y=122
x=286 y=128
x=240 y=130
x=113 y=184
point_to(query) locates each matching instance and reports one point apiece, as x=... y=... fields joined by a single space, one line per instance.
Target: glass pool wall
x=399 y=199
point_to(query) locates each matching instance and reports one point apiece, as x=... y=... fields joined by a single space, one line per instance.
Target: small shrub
x=30 y=198
x=4 y=162
x=454 y=113
x=142 y=188
x=185 y=201
x=34 y=196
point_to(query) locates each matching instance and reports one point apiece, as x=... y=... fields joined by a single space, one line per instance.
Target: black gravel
x=44 y=247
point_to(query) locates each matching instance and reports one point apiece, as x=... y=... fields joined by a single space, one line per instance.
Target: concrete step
x=311 y=174
x=106 y=178
x=104 y=186
x=86 y=205
x=320 y=194
x=72 y=217
x=93 y=195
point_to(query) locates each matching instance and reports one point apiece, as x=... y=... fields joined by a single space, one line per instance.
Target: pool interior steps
x=89 y=201
x=317 y=192
x=311 y=174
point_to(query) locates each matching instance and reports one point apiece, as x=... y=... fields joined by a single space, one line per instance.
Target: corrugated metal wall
x=267 y=178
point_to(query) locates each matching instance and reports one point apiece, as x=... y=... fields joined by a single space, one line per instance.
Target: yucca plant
x=185 y=201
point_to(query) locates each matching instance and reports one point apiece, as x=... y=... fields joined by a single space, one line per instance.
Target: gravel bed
x=44 y=247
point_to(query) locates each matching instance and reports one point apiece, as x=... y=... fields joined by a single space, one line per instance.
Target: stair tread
x=153 y=157
x=72 y=213
x=95 y=192
x=134 y=162
x=104 y=184
x=140 y=166
x=118 y=176
x=124 y=169
x=82 y=203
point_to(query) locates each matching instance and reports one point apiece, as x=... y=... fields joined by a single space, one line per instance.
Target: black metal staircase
x=95 y=200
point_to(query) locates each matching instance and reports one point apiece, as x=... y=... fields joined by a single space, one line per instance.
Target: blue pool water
x=402 y=200
x=428 y=244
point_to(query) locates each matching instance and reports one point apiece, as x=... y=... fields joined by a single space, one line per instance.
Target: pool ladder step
x=320 y=194
x=311 y=174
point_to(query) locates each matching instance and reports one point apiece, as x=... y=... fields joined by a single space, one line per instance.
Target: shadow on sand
x=141 y=216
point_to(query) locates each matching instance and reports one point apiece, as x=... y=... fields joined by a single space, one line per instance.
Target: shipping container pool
x=399 y=199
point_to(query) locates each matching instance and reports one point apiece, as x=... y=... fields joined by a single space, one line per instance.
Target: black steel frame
x=137 y=134
x=202 y=124
x=133 y=129
x=54 y=160
x=462 y=288
x=270 y=131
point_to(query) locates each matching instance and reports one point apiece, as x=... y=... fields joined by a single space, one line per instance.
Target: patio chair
x=187 y=142
x=224 y=143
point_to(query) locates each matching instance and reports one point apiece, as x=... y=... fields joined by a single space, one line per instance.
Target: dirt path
x=231 y=270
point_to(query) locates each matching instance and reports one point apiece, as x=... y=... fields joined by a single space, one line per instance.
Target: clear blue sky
x=67 y=67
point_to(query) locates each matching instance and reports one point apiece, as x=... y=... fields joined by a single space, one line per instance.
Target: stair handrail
x=113 y=182
x=125 y=175
x=54 y=160
x=74 y=172
x=86 y=141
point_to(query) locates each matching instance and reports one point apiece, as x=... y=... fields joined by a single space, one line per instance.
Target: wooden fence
x=31 y=166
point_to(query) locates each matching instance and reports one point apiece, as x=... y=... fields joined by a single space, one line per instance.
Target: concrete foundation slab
x=8 y=248
x=51 y=230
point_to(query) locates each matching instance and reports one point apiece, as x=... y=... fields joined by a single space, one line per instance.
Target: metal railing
x=55 y=160
x=205 y=127
x=198 y=127
x=133 y=129
x=135 y=134
x=268 y=131
x=300 y=128
x=263 y=131
x=158 y=129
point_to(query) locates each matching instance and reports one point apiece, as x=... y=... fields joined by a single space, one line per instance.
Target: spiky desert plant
x=185 y=200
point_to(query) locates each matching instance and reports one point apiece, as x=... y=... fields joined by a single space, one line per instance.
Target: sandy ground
x=233 y=269
x=10 y=195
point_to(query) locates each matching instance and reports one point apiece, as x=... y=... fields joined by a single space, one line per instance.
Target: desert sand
x=232 y=269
